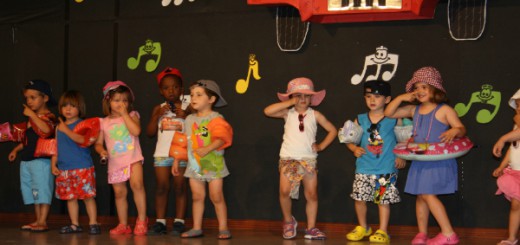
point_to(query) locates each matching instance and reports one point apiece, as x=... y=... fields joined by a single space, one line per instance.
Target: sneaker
x=314 y=234
x=141 y=227
x=420 y=239
x=121 y=230
x=441 y=239
x=289 y=229
x=157 y=229
x=94 y=229
x=178 y=228
x=359 y=233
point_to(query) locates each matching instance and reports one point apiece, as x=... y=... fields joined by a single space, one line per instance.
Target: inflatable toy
x=89 y=128
x=350 y=133
x=403 y=133
x=433 y=151
x=5 y=132
x=178 y=147
x=46 y=147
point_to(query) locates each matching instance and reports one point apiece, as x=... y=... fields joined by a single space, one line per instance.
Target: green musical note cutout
x=484 y=96
x=150 y=48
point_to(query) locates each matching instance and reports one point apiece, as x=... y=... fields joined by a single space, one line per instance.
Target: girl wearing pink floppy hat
x=434 y=121
x=299 y=151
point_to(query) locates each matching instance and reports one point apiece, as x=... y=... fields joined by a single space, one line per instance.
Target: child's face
x=34 y=99
x=200 y=101
x=376 y=101
x=119 y=103
x=301 y=100
x=423 y=92
x=69 y=111
x=170 y=88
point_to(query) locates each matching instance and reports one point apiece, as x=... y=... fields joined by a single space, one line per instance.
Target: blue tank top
x=423 y=132
x=378 y=140
x=70 y=154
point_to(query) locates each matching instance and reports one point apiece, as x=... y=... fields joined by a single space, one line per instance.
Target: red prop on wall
x=321 y=11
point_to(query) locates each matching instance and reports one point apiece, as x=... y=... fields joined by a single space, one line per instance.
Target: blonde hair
x=119 y=90
x=75 y=99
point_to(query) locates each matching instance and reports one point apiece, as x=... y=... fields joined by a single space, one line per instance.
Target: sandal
x=72 y=228
x=40 y=228
x=441 y=239
x=290 y=228
x=507 y=242
x=141 y=227
x=359 y=233
x=380 y=237
x=224 y=235
x=420 y=239
x=192 y=234
x=314 y=234
x=27 y=227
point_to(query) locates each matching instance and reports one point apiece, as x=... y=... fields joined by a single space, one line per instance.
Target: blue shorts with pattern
x=36 y=181
x=167 y=162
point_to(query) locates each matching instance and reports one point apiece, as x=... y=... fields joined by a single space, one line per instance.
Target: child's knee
x=216 y=197
x=311 y=195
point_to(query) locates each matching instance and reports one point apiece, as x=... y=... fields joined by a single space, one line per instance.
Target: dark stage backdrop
x=82 y=46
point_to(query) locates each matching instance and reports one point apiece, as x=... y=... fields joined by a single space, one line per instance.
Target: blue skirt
x=432 y=177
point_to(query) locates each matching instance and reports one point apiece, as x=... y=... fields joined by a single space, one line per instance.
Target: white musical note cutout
x=382 y=60
x=176 y=2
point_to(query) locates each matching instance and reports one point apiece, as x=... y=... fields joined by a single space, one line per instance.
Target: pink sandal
x=441 y=239
x=290 y=227
x=141 y=227
x=420 y=239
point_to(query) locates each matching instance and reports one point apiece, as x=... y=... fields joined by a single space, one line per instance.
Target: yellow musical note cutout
x=242 y=85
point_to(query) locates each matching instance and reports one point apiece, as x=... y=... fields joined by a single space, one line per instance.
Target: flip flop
x=40 y=228
x=224 y=235
x=507 y=242
x=27 y=227
x=192 y=234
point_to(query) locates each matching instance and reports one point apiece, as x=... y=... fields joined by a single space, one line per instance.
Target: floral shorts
x=377 y=188
x=76 y=184
x=295 y=170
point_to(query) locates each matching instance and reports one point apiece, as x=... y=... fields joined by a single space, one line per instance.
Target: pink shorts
x=509 y=184
x=76 y=184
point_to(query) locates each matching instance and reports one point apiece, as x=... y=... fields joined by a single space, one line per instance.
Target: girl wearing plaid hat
x=434 y=121
x=299 y=151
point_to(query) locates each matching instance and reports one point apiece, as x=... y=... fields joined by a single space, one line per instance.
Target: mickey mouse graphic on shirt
x=375 y=142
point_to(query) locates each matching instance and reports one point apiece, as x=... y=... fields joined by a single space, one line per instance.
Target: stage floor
x=13 y=235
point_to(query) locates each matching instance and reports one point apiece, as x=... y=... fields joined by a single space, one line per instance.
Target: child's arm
x=329 y=127
x=14 y=152
x=132 y=124
x=203 y=151
x=36 y=121
x=158 y=111
x=505 y=162
x=511 y=136
x=457 y=128
x=516 y=119
x=357 y=150
x=393 y=110
x=100 y=149
x=54 y=165
x=77 y=138
x=280 y=109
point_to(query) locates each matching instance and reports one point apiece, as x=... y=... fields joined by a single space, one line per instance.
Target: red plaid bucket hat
x=428 y=75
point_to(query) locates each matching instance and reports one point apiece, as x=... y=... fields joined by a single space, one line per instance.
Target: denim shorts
x=36 y=181
x=167 y=162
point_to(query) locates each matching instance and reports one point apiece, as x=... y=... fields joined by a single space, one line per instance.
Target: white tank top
x=514 y=157
x=297 y=144
x=165 y=133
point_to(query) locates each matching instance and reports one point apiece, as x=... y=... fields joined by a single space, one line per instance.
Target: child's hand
x=448 y=135
x=12 y=156
x=103 y=154
x=498 y=172
x=316 y=147
x=400 y=163
x=410 y=97
x=27 y=111
x=55 y=170
x=62 y=126
x=121 y=109
x=175 y=168
x=202 y=151
x=359 y=151
x=180 y=113
x=497 y=148
x=163 y=109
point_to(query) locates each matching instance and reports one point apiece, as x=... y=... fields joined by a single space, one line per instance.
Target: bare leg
x=198 y=193
x=90 y=205
x=181 y=190
x=73 y=207
x=285 y=199
x=514 y=219
x=137 y=185
x=162 y=178
x=422 y=212
x=44 y=212
x=384 y=217
x=217 y=197
x=120 y=193
x=439 y=212
x=361 y=213
x=310 y=185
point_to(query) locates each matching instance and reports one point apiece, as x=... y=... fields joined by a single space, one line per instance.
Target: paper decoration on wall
x=175 y=2
x=466 y=19
x=291 y=32
x=242 y=85
x=485 y=96
x=150 y=50
x=78 y=1
x=381 y=60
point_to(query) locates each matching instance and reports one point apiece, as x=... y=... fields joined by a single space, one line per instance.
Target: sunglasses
x=300 y=118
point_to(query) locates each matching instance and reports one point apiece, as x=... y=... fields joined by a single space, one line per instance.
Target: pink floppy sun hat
x=303 y=85
x=428 y=75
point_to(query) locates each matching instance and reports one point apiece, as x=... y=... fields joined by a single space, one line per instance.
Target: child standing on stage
x=120 y=132
x=508 y=172
x=168 y=119
x=434 y=121
x=73 y=166
x=376 y=164
x=208 y=135
x=299 y=151
x=36 y=180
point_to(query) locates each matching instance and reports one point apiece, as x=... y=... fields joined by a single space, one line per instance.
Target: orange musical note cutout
x=242 y=85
